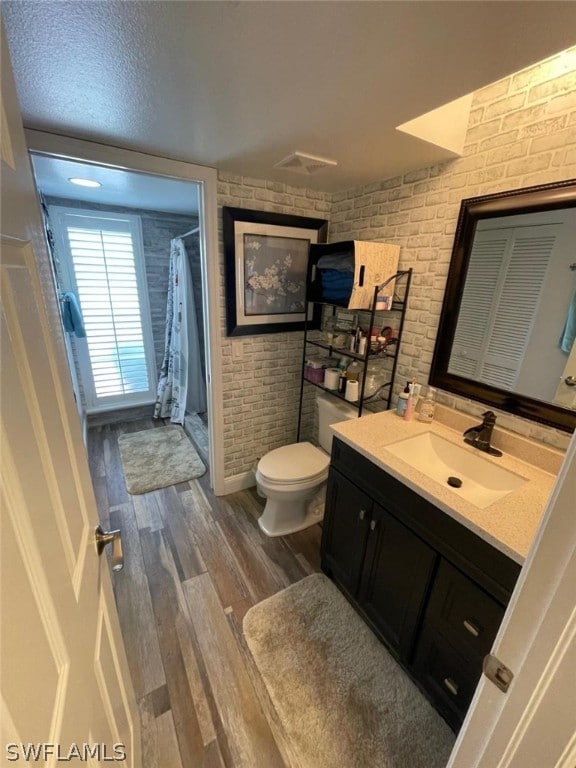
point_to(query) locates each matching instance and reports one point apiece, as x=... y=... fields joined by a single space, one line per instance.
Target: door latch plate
x=497 y=673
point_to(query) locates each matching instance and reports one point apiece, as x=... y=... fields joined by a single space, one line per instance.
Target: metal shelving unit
x=375 y=402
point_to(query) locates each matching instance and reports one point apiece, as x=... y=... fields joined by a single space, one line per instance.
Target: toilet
x=293 y=478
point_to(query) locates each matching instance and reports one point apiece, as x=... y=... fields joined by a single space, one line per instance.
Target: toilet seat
x=294 y=464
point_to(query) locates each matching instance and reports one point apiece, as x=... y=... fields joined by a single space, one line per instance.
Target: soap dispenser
x=428 y=406
x=403 y=400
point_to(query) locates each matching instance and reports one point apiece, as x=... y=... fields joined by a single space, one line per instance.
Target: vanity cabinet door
x=344 y=533
x=459 y=627
x=464 y=613
x=397 y=571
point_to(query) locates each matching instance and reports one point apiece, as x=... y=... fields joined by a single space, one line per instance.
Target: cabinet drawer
x=449 y=678
x=466 y=615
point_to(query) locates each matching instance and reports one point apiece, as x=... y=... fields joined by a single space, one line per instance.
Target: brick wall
x=522 y=132
x=262 y=391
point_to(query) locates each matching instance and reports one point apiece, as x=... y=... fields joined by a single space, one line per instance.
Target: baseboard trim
x=238 y=483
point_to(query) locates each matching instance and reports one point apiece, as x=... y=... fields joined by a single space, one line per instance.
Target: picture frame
x=266 y=264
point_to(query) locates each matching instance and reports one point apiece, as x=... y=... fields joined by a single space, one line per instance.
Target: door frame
x=64 y=147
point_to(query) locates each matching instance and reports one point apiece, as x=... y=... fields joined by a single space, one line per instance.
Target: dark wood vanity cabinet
x=377 y=561
x=347 y=532
x=431 y=589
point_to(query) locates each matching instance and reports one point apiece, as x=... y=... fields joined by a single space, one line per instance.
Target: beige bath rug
x=158 y=457
x=340 y=696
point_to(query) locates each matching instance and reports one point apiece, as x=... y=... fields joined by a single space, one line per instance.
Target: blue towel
x=337 y=261
x=71 y=315
x=335 y=277
x=569 y=332
x=336 y=285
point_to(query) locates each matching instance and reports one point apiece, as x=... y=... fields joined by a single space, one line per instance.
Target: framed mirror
x=508 y=321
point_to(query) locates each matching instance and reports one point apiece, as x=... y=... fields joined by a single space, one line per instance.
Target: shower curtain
x=181 y=386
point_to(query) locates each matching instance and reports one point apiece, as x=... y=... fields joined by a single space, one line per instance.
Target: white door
x=64 y=675
x=533 y=725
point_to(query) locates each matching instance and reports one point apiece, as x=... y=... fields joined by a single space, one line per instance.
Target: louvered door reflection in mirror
x=508 y=323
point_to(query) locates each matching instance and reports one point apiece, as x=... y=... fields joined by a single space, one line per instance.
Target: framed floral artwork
x=266 y=262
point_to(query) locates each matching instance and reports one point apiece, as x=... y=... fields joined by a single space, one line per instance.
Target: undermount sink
x=483 y=481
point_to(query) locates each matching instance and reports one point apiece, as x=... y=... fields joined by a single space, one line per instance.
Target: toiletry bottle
x=352 y=341
x=428 y=406
x=403 y=399
x=354 y=370
x=342 y=363
x=409 y=410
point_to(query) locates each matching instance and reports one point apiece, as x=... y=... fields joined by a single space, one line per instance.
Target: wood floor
x=194 y=564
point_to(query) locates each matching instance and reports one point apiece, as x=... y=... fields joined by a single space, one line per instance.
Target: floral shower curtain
x=181 y=386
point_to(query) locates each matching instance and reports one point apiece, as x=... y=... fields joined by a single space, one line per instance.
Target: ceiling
x=119 y=187
x=240 y=85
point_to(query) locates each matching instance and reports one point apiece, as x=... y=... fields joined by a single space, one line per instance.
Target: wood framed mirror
x=506 y=333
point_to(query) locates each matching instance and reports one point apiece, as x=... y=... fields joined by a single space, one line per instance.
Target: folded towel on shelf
x=335 y=277
x=71 y=314
x=337 y=261
x=336 y=285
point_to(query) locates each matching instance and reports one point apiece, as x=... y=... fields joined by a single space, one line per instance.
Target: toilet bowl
x=293 y=477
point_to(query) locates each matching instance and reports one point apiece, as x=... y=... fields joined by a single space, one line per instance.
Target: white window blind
x=484 y=268
x=508 y=267
x=103 y=256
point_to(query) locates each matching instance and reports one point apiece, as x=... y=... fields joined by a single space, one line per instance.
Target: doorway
x=171 y=200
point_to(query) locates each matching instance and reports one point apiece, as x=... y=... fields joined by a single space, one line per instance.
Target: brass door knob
x=103 y=538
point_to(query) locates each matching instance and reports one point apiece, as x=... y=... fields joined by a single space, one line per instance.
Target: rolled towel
x=71 y=315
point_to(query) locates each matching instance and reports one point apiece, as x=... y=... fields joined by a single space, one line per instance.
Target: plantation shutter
x=525 y=270
x=486 y=260
x=103 y=255
x=507 y=270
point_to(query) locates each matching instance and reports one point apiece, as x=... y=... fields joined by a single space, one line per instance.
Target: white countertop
x=509 y=524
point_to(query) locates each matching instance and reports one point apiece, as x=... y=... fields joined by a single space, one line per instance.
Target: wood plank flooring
x=194 y=565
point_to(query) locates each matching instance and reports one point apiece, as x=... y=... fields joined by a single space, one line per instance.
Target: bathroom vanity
x=429 y=571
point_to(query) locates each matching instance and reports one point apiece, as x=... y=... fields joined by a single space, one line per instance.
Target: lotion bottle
x=409 y=403
x=402 y=400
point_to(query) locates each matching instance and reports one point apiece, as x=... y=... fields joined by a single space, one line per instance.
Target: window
x=102 y=261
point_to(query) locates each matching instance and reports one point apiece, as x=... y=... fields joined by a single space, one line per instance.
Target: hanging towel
x=569 y=332
x=71 y=315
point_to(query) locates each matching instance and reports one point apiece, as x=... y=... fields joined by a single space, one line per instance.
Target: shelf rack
x=363 y=402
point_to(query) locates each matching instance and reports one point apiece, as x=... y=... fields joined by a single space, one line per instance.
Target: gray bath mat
x=340 y=696
x=157 y=458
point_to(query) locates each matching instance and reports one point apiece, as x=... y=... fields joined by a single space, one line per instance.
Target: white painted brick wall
x=261 y=393
x=522 y=132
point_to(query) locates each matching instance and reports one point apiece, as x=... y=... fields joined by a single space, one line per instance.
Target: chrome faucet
x=479 y=437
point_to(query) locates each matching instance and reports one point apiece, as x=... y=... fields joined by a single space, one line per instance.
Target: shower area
x=181 y=395
x=127 y=264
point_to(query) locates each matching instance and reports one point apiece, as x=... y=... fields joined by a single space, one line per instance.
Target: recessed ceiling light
x=85 y=182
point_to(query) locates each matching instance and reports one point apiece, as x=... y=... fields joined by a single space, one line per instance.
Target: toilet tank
x=331 y=411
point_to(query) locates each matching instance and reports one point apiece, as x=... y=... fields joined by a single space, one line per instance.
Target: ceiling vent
x=307 y=165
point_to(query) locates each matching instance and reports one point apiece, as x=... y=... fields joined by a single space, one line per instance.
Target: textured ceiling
x=240 y=85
